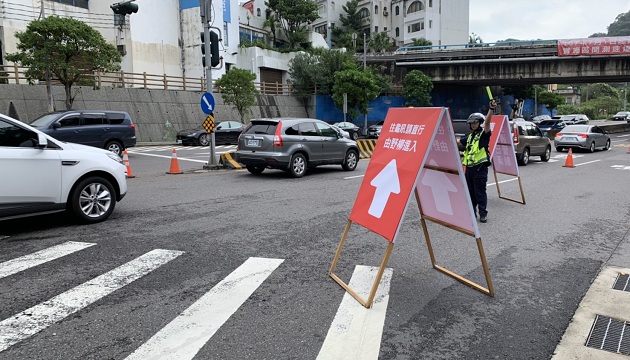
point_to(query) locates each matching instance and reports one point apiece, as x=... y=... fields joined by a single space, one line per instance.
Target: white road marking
x=356 y=332
x=353 y=177
x=169 y=156
x=504 y=181
x=139 y=149
x=37 y=258
x=31 y=321
x=620 y=167
x=588 y=162
x=189 y=331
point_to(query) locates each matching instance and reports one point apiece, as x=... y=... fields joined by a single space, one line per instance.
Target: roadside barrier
x=174 y=164
x=569 y=162
x=366 y=148
x=228 y=161
x=126 y=163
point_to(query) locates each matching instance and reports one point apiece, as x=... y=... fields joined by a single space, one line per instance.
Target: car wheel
x=524 y=158
x=204 y=139
x=92 y=200
x=351 y=160
x=354 y=136
x=545 y=157
x=592 y=147
x=559 y=149
x=607 y=147
x=115 y=147
x=255 y=169
x=297 y=167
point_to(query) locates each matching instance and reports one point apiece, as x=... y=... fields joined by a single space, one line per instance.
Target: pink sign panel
x=617 y=45
x=441 y=186
x=502 y=152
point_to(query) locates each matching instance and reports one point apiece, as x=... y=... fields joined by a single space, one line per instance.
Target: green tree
x=380 y=42
x=421 y=42
x=237 y=89
x=417 y=89
x=551 y=100
x=272 y=23
x=360 y=86
x=305 y=73
x=295 y=15
x=594 y=91
x=330 y=62
x=351 y=23
x=621 y=25
x=475 y=40
x=70 y=49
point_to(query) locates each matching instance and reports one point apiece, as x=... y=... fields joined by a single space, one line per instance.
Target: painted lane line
x=356 y=332
x=22 y=263
x=31 y=321
x=183 y=337
x=169 y=156
x=588 y=162
x=353 y=177
x=503 y=181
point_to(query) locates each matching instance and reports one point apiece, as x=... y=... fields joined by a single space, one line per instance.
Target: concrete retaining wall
x=158 y=114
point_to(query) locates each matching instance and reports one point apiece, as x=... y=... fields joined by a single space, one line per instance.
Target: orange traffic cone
x=569 y=162
x=174 y=164
x=126 y=163
x=628 y=150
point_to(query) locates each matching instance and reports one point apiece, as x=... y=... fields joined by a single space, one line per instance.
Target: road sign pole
x=205 y=20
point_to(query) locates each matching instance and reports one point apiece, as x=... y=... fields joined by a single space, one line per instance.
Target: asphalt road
x=227 y=265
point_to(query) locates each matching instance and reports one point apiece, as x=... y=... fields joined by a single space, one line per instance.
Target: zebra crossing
x=169 y=148
x=354 y=330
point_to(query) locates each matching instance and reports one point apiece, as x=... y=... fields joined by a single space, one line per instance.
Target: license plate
x=179 y=141
x=253 y=142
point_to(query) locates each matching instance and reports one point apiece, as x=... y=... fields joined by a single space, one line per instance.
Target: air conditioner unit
x=122 y=49
x=385 y=13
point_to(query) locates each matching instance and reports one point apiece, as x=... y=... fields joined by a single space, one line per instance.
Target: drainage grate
x=622 y=282
x=608 y=334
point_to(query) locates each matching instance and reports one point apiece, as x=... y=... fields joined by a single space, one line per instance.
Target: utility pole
x=206 y=17
x=365 y=127
x=51 y=103
x=328 y=27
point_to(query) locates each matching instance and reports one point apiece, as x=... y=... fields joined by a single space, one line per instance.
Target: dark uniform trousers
x=476 y=179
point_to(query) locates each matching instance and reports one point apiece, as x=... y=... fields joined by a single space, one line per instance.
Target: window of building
x=430 y=24
x=397 y=32
x=375 y=29
x=397 y=10
x=385 y=28
x=364 y=13
x=430 y=3
x=321 y=29
x=78 y=3
x=248 y=36
x=415 y=7
x=332 y=6
x=376 y=9
x=415 y=27
x=321 y=11
x=258 y=12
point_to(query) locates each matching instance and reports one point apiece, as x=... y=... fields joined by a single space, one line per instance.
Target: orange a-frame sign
x=416 y=154
x=502 y=154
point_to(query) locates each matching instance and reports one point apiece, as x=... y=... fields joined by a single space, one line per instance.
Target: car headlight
x=115 y=157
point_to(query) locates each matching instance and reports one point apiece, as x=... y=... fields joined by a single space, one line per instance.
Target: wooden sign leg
x=520 y=186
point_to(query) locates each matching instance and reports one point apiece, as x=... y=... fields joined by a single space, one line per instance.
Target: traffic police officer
x=477 y=159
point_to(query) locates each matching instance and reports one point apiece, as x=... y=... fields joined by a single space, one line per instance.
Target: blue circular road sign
x=207 y=103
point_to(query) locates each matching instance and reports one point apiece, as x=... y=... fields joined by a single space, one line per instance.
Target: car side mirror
x=56 y=125
x=42 y=142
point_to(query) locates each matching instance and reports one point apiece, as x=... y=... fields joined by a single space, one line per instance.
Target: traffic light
x=214 y=49
x=124 y=8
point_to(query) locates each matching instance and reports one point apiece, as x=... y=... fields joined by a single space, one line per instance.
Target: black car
x=225 y=132
x=622 y=115
x=110 y=130
x=352 y=129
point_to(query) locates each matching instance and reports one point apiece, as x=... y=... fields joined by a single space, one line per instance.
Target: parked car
x=537 y=119
x=351 y=128
x=622 y=115
x=293 y=145
x=225 y=132
x=375 y=130
x=342 y=132
x=575 y=119
x=582 y=137
x=529 y=141
x=554 y=124
x=110 y=130
x=41 y=175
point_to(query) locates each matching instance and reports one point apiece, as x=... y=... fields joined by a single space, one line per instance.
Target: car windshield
x=548 y=122
x=567 y=117
x=262 y=127
x=43 y=120
x=621 y=113
x=575 y=128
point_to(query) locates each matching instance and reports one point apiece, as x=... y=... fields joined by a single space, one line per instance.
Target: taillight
x=277 y=138
x=515 y=138
x=559 y=135
x=133 y=126
x=583 y=136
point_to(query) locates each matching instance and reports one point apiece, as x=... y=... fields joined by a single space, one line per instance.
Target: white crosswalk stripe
x=28 y=261
x=183 y=337
x=31 y=321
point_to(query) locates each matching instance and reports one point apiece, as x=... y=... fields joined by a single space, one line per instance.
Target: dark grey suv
x=294 y=145
x=110 y=130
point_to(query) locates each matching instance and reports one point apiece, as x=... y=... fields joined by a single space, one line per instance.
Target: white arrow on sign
x=386 y=182
x=440 y=187
x=207 y=103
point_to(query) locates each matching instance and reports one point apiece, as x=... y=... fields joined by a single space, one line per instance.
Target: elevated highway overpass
x=515 y=63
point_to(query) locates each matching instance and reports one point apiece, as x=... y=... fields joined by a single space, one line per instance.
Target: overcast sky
x=542 y=19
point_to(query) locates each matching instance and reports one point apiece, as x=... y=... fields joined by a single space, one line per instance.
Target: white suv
x=41 y=175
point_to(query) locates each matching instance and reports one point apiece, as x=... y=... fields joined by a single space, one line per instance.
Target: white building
x=163 y=37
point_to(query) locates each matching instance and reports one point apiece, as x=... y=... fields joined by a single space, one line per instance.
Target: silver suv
x=293 y=145
x=529 y=140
